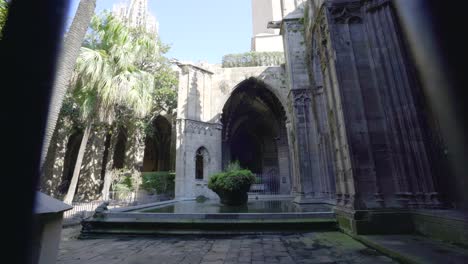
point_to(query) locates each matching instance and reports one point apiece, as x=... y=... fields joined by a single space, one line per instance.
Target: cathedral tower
x=136 y=14
x=264 y=12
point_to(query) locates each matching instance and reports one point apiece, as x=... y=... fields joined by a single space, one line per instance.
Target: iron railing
x=267 y=183
x=83 y=210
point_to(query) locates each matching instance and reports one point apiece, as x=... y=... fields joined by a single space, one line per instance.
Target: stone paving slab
x=316 y=247
x=417 y=249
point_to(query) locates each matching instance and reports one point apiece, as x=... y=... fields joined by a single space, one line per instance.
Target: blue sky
x=198 y=30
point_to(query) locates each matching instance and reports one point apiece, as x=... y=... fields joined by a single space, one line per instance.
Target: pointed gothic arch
x=157 y=155
x=254 y=133
x=202 y=159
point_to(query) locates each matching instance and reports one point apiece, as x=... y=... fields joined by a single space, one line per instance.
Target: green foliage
x=124 y=180
x=161 y=182
x=71 y=112
x=165 y=92
x=302 y=20
x=233 y=166
x=201 y=199
x=121 y=74
x=3 y=15
x=252 y=59
x=233 y=179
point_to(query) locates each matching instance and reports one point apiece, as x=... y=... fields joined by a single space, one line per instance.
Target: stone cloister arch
x=157 y=155
x=254 y=133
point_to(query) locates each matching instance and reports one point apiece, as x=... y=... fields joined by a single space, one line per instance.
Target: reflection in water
x=213 y=207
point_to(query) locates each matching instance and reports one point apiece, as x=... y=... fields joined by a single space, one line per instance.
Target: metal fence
x=267 y=183
x=83 y=210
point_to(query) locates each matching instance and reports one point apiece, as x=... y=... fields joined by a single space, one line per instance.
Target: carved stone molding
x=346 y=12
x=199 y=127
x=300 y=97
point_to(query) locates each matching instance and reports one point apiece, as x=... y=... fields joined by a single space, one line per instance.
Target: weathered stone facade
x=355 y=121
x=368 y=90
x=203 y=93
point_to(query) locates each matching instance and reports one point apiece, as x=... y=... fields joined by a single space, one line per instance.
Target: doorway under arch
x=254 y=133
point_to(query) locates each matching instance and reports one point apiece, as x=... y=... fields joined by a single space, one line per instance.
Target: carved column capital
x=300 y=96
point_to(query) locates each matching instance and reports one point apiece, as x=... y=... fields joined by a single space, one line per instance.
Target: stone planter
x=237 y=197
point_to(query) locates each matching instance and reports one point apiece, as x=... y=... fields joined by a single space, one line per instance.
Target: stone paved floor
x=329 y=247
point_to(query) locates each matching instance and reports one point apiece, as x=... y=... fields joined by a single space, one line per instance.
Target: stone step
x=208 y=226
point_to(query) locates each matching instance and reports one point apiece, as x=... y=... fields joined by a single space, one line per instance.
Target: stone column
x=376 y=126
x=401 y=98
x=284 y=161
x=303 y=123
x=180 y=162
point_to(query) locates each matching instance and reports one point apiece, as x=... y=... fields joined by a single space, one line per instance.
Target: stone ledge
x=447 y=225
x=391 y=221
x=414 y=249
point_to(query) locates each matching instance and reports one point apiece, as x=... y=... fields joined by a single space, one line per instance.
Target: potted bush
x=232 y=185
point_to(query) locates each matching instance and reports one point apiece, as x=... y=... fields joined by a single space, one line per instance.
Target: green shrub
x=123 y=180
x=233 y=179
x=233 y=166
x=253 y=59
x=161 y=182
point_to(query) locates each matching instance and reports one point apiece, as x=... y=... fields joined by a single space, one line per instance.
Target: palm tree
x=71 y=50
x=3 y=14
x=107 y=76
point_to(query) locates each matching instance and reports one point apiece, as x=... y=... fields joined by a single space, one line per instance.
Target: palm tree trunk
x=71 y=50
x=76 y=171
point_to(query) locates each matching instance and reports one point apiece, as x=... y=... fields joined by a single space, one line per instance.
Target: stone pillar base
x=366 y=222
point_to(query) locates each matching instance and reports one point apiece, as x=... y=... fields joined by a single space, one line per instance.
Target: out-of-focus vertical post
x=434 y=30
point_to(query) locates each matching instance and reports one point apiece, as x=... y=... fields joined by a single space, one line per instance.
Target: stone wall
x=191 y=136
x=90 y=181
x=51 y=178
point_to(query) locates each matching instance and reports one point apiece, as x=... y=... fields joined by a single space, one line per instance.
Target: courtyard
x=322 y=142
x=315 y=247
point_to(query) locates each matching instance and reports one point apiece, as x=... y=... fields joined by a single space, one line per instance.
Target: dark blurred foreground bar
x=28 y=54
x=436 y=32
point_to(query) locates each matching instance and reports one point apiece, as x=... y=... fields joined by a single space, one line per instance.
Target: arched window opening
x=199 y=164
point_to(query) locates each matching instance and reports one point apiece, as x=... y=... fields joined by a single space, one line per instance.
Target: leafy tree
x=109 y=76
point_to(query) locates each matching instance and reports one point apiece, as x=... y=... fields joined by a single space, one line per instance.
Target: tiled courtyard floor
x=328 y=247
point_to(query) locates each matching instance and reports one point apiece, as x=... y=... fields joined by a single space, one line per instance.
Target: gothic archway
x=254 y=133
x=158 y=146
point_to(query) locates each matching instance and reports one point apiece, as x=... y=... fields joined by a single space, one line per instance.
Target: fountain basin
x=211 y=217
